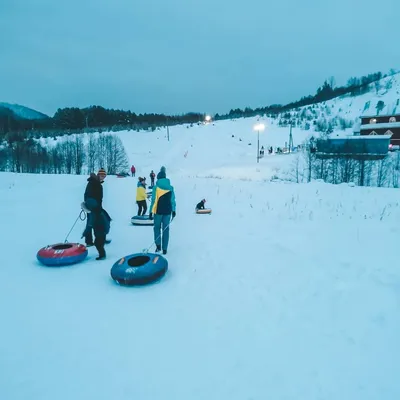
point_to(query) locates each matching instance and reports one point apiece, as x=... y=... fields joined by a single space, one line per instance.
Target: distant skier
x=133 y=170
x=141 y=197
x=162 y=206
x=200 y=206
x=152 y=177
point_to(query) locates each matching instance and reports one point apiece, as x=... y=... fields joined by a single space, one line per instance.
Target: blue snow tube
x=142 y=220
x=139 y=269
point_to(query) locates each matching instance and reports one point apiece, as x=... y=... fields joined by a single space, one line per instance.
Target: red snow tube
x=61 y=254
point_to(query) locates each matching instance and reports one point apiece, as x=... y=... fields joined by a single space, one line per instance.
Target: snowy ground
x=284 y=292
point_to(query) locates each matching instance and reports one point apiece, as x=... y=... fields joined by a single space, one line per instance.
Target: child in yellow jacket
x=141 y=197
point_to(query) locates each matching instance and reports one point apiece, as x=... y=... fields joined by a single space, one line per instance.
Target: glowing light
x=259 y=127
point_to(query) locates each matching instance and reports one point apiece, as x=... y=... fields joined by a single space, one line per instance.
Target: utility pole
x=290 y=138
x=258 y=146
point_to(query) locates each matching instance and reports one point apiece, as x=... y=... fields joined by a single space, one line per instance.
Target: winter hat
x=102 y=174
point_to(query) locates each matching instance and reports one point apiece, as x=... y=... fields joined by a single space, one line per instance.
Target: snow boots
x=158 y=249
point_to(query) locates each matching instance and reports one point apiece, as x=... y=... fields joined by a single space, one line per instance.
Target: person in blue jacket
x=162 y=207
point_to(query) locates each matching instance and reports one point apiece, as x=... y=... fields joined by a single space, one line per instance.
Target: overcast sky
x=175 y=56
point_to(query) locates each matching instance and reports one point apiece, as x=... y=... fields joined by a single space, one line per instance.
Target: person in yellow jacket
x=141 y=197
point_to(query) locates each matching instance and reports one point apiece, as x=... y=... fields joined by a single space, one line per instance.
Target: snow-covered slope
x=345 y=111
x=24 y=112
x=285 y=292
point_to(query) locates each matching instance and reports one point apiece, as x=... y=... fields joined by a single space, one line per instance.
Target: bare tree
x=116 y=158
x=395 y=168
x=79 y=154
x=91 y=151
x=297 y=169
x=383 y=172
x=309 y=156
x=378 y=86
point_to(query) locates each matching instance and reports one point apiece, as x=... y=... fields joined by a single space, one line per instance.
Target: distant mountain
x=23 y=112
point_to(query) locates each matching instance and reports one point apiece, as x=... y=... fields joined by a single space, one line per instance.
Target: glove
x=173 y=214
x=150 y=216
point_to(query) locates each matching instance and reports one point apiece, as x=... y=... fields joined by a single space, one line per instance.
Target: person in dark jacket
x=152 y=177
x=162 y=207
x=93 y=196
x=200 y=206
x=97 y=218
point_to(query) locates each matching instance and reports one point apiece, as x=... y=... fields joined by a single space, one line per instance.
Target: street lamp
x=208 y=118
x=259 y=128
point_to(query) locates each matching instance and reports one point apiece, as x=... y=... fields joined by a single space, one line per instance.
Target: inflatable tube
x=139 y=269
x=62 y=254
x=142 y=220
x=205 y=211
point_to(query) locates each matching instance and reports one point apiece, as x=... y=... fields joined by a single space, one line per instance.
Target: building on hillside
x=382 y=125
x=353 y=147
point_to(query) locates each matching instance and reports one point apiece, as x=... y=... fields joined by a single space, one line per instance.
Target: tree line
x=94 y=118
x=70 y=155
x=327 y=91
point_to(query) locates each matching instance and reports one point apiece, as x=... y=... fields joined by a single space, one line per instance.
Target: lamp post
x=259 y=128
x=208 y=119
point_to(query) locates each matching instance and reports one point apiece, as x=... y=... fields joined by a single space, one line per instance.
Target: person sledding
x=200 y=205
x=141 y=197
x=152 y=177
x=98 y=219
x=162 y=207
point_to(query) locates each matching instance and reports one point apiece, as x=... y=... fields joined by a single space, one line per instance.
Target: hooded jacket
x=141 y=192
x=200 y=206
x=94 y=191
x=163 y=197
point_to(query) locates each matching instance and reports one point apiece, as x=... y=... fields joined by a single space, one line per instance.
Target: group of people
x=162 y=210
x=162 y=207
x=152 y=175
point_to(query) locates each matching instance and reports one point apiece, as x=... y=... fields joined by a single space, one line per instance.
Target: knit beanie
x=102 y=174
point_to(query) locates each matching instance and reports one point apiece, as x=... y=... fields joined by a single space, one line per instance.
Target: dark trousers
x=142 y=204
x=88 y=233
x=88 y=230
x=99 y=242
x=133 y=173
x=152 y=181
x=161 y=230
